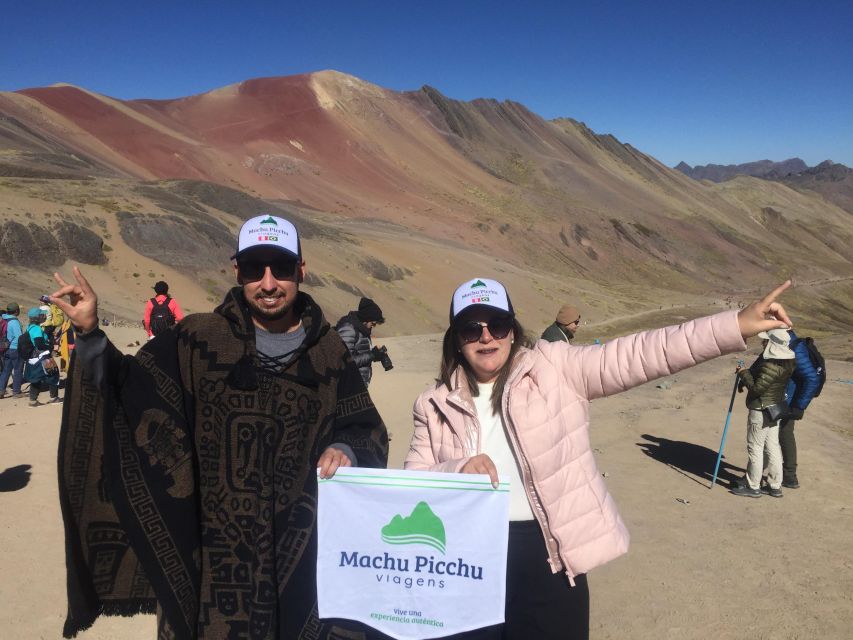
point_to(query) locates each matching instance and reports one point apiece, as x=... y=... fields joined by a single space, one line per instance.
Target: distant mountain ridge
x=758 y=169
x=832 y=180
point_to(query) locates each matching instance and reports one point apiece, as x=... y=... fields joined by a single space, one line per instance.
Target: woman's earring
x=512 y=341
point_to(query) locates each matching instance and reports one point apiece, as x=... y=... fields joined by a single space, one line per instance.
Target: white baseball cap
x=268 y=231
x=480 y=292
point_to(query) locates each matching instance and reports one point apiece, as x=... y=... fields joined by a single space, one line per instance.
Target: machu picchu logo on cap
x=269 y=220
x=479 y=283
x=422 y=526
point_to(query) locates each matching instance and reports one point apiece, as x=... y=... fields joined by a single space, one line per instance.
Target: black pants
x=789 y=450
x=540 y=605
x=36 y=387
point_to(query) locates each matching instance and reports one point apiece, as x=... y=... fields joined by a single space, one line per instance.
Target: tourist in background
x=40 y=369
x=355 y=330
x=805 y=385
x=162 y=311
x=565 y=326
x=765 y=381
x=13 y=364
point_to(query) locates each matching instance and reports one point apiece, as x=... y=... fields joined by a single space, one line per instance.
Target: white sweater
x=494 y=443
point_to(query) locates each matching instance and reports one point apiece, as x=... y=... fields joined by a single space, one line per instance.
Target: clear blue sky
x=715 y=81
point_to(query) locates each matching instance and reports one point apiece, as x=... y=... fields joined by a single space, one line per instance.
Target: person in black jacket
x=355 y=329
x=805 y=384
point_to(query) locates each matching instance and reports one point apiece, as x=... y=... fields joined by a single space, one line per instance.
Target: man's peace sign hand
x=82 y=304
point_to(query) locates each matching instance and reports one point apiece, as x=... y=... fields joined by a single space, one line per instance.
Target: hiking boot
x=791 y=483
x=773 y=493
x=745 y=491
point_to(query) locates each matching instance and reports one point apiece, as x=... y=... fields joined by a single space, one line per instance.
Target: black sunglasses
x=252 y=270
x=499 y=328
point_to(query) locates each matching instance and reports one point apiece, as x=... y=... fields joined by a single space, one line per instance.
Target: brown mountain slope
x=551 y=199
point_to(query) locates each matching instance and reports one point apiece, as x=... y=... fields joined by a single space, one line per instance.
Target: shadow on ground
x=15 y=478
x=693 y=460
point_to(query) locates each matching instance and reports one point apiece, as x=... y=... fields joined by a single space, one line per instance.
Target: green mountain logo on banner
x=421 y=527
x=269 y=220
x=479 y=283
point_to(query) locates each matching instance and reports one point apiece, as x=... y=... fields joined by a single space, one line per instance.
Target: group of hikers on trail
x=189 y=471
x=27 y=354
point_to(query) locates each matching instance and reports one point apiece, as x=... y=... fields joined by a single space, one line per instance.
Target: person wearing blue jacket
x=40 y=369
x=13 y=364
x=804 y=384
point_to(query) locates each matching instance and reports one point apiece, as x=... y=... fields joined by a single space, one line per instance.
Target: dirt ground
x=702 y=564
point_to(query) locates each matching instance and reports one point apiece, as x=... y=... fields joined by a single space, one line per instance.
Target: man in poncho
x=188 y=479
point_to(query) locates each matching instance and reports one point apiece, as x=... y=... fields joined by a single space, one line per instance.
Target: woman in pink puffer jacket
x=501 y=407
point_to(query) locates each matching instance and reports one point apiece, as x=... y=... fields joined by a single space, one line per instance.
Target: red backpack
x=4 y=340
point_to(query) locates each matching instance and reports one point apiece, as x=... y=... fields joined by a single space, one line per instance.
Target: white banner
x=413 y=554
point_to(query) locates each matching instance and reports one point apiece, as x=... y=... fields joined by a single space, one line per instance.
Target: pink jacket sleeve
x=596 y=371
x=420 y=456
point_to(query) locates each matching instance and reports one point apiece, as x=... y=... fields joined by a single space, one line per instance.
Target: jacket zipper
x=551 y=543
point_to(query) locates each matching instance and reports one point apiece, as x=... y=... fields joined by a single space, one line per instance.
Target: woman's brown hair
x=451 y=357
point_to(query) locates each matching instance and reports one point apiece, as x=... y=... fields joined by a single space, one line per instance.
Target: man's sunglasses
x=251 y=270
x=499 y=328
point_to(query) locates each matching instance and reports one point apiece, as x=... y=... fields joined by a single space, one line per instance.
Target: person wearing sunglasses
x=503 y=406
x=565 y=326
x=212 y=437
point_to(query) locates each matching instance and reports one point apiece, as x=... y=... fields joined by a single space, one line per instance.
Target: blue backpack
x=817 y=362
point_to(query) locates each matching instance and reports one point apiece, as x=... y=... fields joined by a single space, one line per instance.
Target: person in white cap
x=501 y=406
x=211 y=437
x=765 y=381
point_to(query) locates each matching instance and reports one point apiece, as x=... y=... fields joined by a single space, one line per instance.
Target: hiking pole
x=725 y=428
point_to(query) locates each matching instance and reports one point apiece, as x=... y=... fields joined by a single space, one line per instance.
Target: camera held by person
x=380 y=354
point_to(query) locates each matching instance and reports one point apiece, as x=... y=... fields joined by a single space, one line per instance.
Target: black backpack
x=161 y=316
x=817 y=362
x=25 y=346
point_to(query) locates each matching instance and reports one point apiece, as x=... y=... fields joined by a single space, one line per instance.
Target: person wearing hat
x=765 y=381
x=40 y=369
x=565 y=326
x=355 y=329
x=13 y=364
x=501 y=406
x=162 y=311
x=212 y=437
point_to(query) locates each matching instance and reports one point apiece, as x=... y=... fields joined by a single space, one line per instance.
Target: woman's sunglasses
x=282 y=269
x=499 y=328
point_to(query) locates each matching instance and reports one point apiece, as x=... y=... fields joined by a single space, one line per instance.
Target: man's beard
x=269 y=314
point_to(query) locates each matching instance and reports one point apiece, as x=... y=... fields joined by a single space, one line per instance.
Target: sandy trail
x=702 y=564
